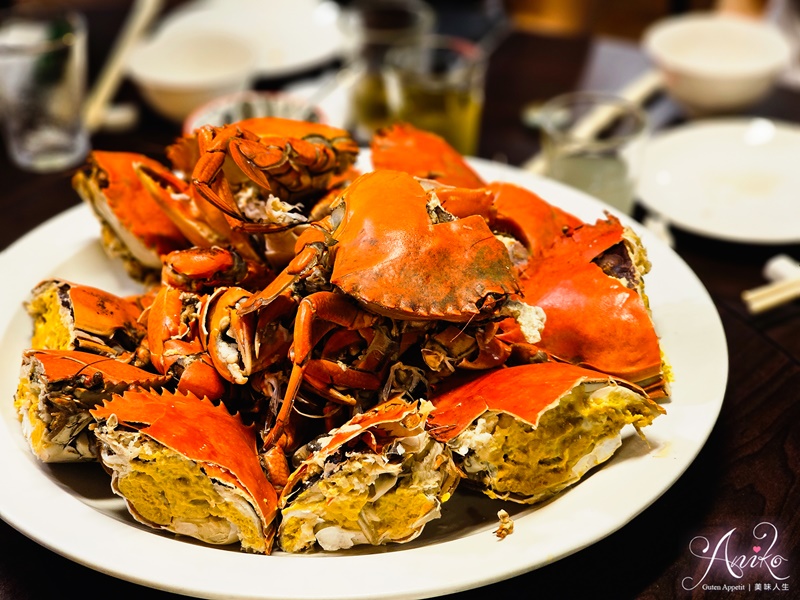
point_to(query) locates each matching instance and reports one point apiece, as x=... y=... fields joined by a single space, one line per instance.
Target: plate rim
x=465 y=568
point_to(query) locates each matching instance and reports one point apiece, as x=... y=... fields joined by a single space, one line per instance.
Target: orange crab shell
x=594 y=320
x=524 y=391
x=67 y=365
x=103 y=312
x=204 y=433
x=395 y=261
x=127 y=198
x=101 y=321
x=403 y=147
x=528 y=217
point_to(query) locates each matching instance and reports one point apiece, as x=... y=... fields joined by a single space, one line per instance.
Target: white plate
x=730 y=179
x=70 y=509
x=290 y=37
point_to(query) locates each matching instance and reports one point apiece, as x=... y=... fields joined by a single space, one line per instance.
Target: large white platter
x=70 y=509
x=733 y=179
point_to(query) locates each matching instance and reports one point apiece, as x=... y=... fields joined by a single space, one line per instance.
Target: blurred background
x=618 y=18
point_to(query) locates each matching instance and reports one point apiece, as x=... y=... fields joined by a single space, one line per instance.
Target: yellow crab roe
x=400 y=509
x=341 y=498
x=49 y=330
x=165 y=488
x=529 y=464
x=26 y=402
x=333 y=500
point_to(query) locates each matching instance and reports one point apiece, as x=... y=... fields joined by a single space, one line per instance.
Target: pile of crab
x=321 y=355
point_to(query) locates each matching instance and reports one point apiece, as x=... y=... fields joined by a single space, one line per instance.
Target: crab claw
x=199 y=269
x=237 y=343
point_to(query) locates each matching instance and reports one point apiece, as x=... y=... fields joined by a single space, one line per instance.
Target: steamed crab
x=185 y=465
x=381 y=334
x=254 y=169
x=390 y=251
x=588 y=278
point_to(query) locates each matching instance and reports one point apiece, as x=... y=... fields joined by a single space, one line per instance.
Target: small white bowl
x=176 y=73
x=250 y=104
x=716 y=63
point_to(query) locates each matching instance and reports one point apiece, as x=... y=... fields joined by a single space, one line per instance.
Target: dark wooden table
x=746 y=473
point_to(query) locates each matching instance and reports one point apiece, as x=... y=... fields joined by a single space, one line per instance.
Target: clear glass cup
x=371 y=28
x=438 y=85
x=42 y=85
x=595 y=142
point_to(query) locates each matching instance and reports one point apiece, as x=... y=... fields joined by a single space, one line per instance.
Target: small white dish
x=250 y=104
x=715 y=63
x=289 y=37
x=730 y=179
x=177 y=73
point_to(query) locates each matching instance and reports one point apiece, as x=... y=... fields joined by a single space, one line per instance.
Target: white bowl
x=248 y=104
x=715 y=63
x=176 y=73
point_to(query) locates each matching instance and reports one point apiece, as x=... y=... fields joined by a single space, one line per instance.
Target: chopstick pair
x=142 y=13
x=769 y=296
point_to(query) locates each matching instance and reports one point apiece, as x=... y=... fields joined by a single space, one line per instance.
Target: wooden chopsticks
x=769 y=296
x=784 y=273
x=141 y=15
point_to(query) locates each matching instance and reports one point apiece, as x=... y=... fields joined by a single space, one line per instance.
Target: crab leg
x=328 y=306
x=202 y=223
